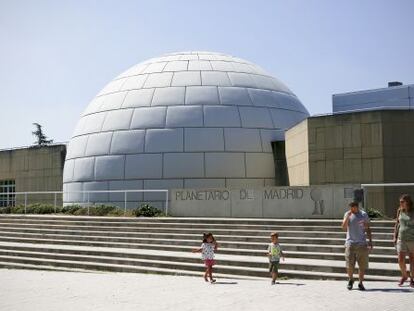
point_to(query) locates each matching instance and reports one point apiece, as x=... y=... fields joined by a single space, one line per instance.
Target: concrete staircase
x=314 y=248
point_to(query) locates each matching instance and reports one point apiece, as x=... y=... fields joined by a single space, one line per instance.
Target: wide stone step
x=245 y=249
x=107 y=268
x=102 y=251
x=197 y=232
x=178 y=220
x=201 y=227
x=186 y=262
x=288 y=237
x=314 y=248
x=250 y=242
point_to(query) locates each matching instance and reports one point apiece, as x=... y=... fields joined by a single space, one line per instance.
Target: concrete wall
x=34 y=169
x=297 y=154
x=329 y=201
x=364 y=147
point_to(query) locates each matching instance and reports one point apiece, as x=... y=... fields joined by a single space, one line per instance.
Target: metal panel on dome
x=234 y=96
x=134 y=82
x=222 y=65
x=204 y=139
x=239 y=139
x=158 y=80
x=215 y=78
x=84 y=169
x=168 y=96
x=201 y=95
x=263 y=98
x=125 y=142
x=110 y=167
x=184 y=116
x=221 y=116
x=126 y=185
x=225 y=165
x=177 y=164
x=68 y=170
x=113 y=101
x=93 y=123
x=254 y=117
x=155 y=67
x=241 y=79
x=186 y=78
x=138 y=98
x=77 y=147
x=96 y=185
x=148 y=117
x=199 y=65
x=164 y=140
x=117 y=120
x=177 y=65
x=98 y=144
x=141 y=166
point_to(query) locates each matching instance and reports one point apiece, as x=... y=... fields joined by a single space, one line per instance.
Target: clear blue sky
x=56 y=55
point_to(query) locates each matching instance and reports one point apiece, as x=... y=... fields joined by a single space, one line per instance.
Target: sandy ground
x=44 y=290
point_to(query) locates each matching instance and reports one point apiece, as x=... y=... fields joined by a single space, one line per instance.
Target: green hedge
x=145 y=210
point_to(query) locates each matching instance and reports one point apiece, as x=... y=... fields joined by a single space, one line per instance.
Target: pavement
x=22 y=290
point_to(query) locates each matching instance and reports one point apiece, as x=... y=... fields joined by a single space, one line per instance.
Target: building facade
x=31 y=169
x=183 y=120
x=372 y=145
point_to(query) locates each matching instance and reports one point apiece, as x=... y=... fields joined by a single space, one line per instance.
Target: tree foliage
x=41 y=138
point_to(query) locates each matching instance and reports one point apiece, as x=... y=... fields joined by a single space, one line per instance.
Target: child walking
x=274 y=252
x=207 y=249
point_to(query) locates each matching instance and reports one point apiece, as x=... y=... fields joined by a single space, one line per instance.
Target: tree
x=40 y=136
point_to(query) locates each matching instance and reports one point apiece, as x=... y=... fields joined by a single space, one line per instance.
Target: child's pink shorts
x=209 y=262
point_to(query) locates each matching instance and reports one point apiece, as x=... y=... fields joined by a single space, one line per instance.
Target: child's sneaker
x=361 y=286
x=350 y=284
x=273 y=283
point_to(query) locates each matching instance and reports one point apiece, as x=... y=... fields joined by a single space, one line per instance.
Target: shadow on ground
x=391 y=290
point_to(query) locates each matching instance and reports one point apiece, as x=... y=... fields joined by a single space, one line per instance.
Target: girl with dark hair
x=207 y=249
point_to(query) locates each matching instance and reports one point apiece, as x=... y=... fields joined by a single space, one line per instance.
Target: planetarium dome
x=183 y=120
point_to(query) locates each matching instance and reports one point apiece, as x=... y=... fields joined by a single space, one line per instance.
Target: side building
x=368 y=139
x=31 y=169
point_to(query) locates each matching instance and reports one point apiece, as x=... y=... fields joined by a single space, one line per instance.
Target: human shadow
x=290 y=283
x=224 y=283
x=390 y=290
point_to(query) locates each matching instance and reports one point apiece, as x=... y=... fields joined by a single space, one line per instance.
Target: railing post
x=166 y=203
x=25 y=202
x=88 y=203
x=55 y=202
x=125 y=202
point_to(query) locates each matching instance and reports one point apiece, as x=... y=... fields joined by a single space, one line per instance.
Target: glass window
x=7 y=190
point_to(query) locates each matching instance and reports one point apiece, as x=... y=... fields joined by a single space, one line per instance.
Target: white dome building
x=183 y=120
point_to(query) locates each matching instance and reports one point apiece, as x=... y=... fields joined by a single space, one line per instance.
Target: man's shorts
x=356 y=253
x=274 y=266
x=405 y=246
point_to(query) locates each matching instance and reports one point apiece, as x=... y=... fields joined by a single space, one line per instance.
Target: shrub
x=78 y=210
x=373 y=213
x=147 y=210
x=102 y=210
x=5 y=210
x=70 y=209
